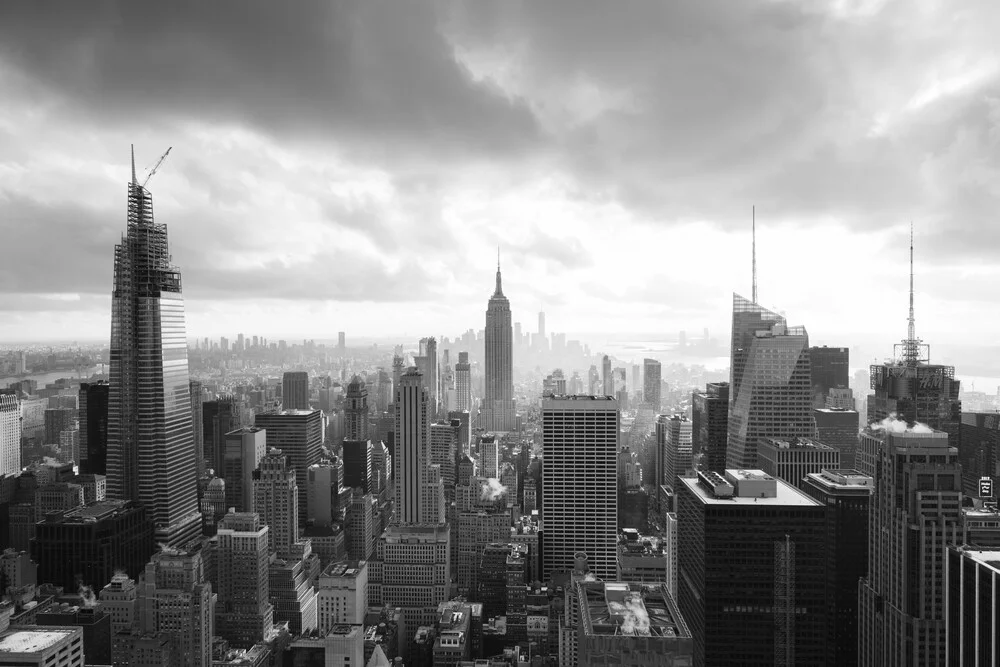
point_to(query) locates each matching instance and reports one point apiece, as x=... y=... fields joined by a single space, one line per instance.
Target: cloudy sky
x=353 y=166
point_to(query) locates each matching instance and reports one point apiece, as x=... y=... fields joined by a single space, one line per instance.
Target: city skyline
x=545 y=156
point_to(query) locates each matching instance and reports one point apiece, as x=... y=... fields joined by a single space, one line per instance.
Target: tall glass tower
x=151 y=457
x=498 y=400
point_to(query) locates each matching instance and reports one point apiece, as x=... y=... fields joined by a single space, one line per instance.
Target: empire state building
x=498 y=413
x=151 y=452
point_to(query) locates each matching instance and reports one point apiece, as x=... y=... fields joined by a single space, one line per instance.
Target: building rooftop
x=416 y=533
x=95 y=511
x=28 y=639
x=633 y=543
x=348 y=569
x=573 y=399
x=785 y=495
x=990 y=558
x=842 y=478
x=629 y=610
x=794 y=443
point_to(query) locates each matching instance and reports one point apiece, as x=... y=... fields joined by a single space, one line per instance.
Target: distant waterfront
x=47 y=378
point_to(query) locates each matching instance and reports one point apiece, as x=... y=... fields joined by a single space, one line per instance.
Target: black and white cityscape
x=451 y=339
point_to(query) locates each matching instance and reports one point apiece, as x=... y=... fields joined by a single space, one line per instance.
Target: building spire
x=753 y=232
x=134 y=179
x=911 y=331
x=499 y=291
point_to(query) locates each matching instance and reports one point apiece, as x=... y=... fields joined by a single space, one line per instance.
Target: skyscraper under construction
x=151 y=457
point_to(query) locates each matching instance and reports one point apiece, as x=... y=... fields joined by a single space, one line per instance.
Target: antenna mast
x=753 y=214
x=911 y=331
x=914 y=351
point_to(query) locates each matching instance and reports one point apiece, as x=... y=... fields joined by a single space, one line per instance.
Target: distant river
x=47 y=378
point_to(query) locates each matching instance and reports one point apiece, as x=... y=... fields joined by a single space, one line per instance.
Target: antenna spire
x=499 y=291
x=134 y=179
x=753 y=214
x=911 y=329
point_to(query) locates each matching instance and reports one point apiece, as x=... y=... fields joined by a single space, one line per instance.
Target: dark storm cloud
x=376 y=74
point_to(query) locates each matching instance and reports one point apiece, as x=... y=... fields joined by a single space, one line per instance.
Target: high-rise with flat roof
x=299 y=435
x=677 y=455
x=10 y=435
x=93 y=402
x=244 y=449
x=829 y=369
x=412 y=464
x=244 y=614
x=412 y=570
x=710 y=425
x=42 y=645
x=276 y=500
x=771 y=387
x=498 y=391
x=342 y=595
x=651 y=383
x=580 y=500
x=463 y=383
x=846 y=494
x=839 y=428
x=751 y=578
x=295 y=390
x=794 y=458
x=151 y=457
x=916 y=512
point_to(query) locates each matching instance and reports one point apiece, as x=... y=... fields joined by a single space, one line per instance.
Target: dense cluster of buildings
x=423 y=516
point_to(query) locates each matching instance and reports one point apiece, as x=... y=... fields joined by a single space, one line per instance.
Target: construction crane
x=156 y=166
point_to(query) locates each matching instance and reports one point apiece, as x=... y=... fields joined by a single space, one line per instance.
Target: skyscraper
x=151 y=457
x=771 y=392
x=751 y=579
x=299 y=434
x=218 y=418
x=93 y=402
x=651 y=386
x=463 y=383
x=275 y=500
x=356 y=410
x=412 y=446
x=244 y=449
x=607 y=379
x=829 y=368
x=357 y=449
x=295 y=390
x=10 y=435
x=498 y=395
x=915 y=514
x=244 y=614
x=677 y=454
x=914 y=389
x=580 y=500
x=427 y=364
x=710 y=425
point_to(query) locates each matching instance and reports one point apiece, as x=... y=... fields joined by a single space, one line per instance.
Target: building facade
x=499 y=413
x=710 y=425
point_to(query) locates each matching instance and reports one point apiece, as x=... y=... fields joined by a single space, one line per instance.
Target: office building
x=57 y=497
x=45 y=646
x=751 y=528
x=219 y=417
x=356 y=410
x=299 y=435
x=93 y=416
x=328 y=497
x=175 y=599
x=498 y=413
x=118 y=598
x=381 y=470
x=290 y=578
x=839 y=428
x=90 y=543
x=915 y=514
x=630 y=624
x=342 y=595
x=474 y=530
x=150 y=444
x=678 y=459
x=244 y=614
x=94 y=621
x=580 y=499
x=710 y=425
x=829 y=369
x=362 y=526
x=607 y=379
x=793 y=459
x=846 y=494
x=651 y=383
x=463 y=383
x=444 y=447
x=979 y=450
x=412 y=456
x=411 y=570
x=971 y=625
x=295 y=390
x=770 y=388
x=276 y=500
x=244 y=449
x=489 y=457
x=643 y=558
x=197 y=393
x=58 y=420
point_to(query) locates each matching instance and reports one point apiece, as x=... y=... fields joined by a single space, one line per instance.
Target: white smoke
x=51 y=462
x=491 y=489
x=893 y=424
x=87 y=593
x=636 y=618
x=167 y=549
x=589 y=577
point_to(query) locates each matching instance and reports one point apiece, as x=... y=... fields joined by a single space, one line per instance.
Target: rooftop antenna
x=911 y=331
x=914 y=351
x=753 y=214
x=134 y=180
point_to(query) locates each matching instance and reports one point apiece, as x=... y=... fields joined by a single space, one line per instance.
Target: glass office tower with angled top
x=771 y=387
x=151 y=453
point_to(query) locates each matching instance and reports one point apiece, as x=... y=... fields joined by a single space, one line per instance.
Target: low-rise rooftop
x=33 y=639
